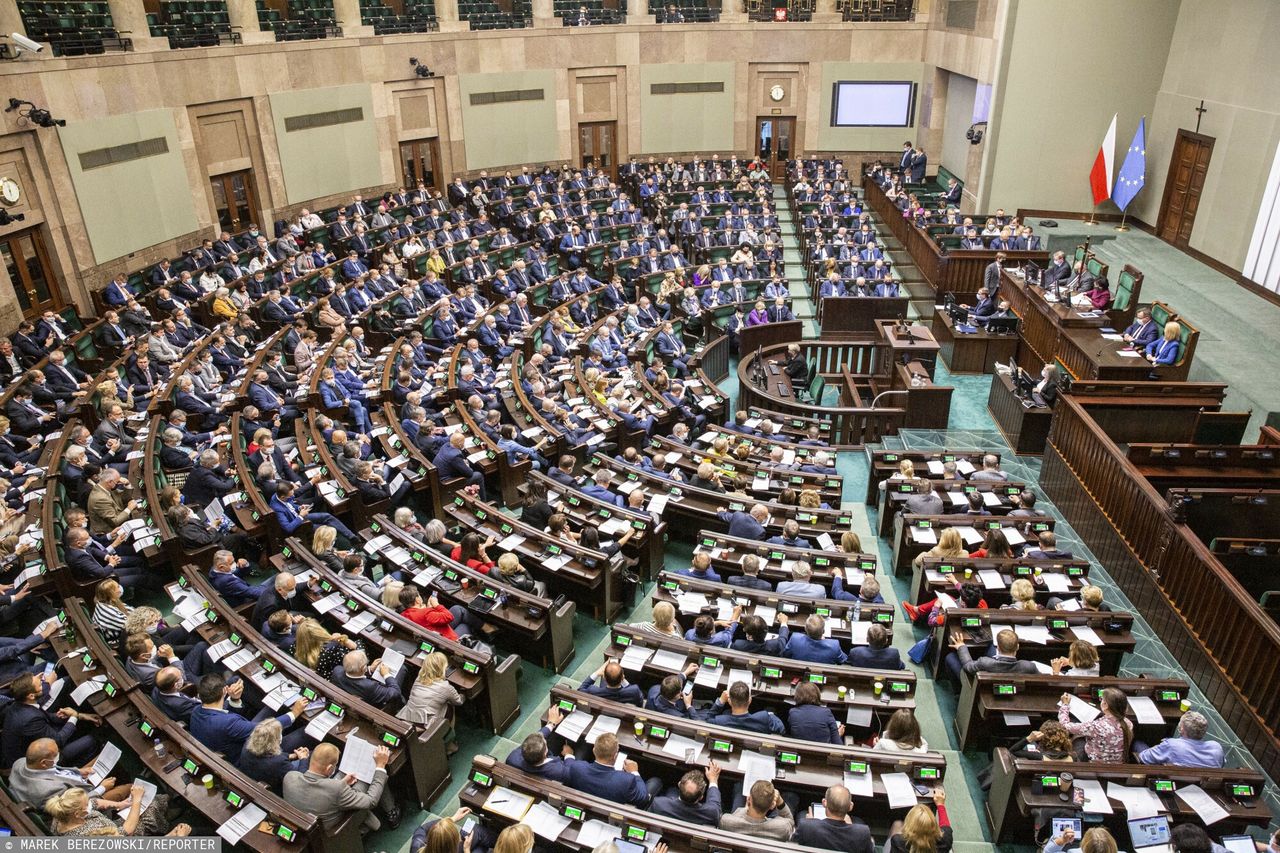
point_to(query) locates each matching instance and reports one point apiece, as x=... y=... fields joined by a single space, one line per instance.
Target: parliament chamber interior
x=640 y=425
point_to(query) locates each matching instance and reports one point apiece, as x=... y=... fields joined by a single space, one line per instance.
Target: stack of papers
x=357 y=758
x=545 y=821
x=508 y=803
x=604 y=724
x=573 y=726
x=669 y=660
x=901 y=792
x=635 y=657
x=242 y=823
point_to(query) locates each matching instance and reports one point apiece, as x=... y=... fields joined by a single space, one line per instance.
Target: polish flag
x=1100 y=174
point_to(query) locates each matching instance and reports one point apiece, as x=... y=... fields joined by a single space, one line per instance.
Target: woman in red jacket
x=449 y=622
x=471 y=552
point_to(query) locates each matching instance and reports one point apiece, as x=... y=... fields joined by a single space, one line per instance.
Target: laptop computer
x=1239 y=843
x=1150 y=834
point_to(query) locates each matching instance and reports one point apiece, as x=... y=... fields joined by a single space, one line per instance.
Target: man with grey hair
x=37 y=776
x=1188 y=749
x=373 y=682
x=801 y=583
x=173 y=456
x=208 y=481
x=990 y=469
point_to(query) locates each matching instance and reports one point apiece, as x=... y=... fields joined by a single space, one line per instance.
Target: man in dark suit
x=207 y=480
x=451 y=463
x=26 y=722
x=281 y=595
x=991 y=275
x=838 y=830
x=813 y=646
x=954 y=191
x=532 y=756
x=919 y=161
x=224 y=730
x=746 y=525
x=1056 y=272
x=615 y=688
x=877 y=654
x=598 y=777
x=372 y=683
x=169 y=698
x=695 y=799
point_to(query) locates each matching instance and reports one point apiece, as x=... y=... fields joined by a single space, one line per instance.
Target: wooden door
x=234 y=201
x=32 y=276
x=420 y=163
x=598 y=145
x=1182 y=188
x=775 y=140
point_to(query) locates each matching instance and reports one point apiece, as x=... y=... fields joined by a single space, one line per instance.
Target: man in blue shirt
x=704 y=630
x=599 y=777
x=615 y=687
x=1189 y=748
x=733 y=709
x=810 y=646
x=668 y=697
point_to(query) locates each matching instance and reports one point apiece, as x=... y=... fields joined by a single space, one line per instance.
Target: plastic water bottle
x=159 y=748
x=857 y=609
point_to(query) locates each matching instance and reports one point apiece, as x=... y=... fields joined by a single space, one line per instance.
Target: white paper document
x=604 y=725
x=508 y=803
x=1082 y=710
x=1145 y=710
x=860 y=784
x=1095 y=798
x=1206 y=807
x=991 y=579
x=708 y=676
x=85 y=689
x=321 y=724
x=669 y=660
x=148 y=794
x=242 y=823
x=755 y=767
x=1138 y=802
x=1038 y=634
x=104 y=763
x=593 y=833
x=901 y=792
x=572 y=726
x=1090 y=636
x=357 y=758
x=545 y=821
x=1056 y=581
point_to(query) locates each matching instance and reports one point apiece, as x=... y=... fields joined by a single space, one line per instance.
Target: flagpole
x=1122 y=226
x=1093 y=216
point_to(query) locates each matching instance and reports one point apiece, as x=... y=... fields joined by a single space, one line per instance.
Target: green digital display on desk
x=191 y=767
x=1163 y=786
x=390 y=740
x=815 y=678
x=566 y=706
x=971 y=622
x=721 y=746
x=621 y=640
x=822 y=611
x=867 y=566
x=1075 y=571
x=335 y=709
x=285 y=833
x=792 y=758
x=637 y=833
x=1006 y=689
x=308 y=694
x=856 y=767
x=899 y=687
x=710 y=543
x=325 y=586
x=1169 y=696
x=469 y=667
x=109 y=689
x=1242 y=790
x=670 y=585
x=482 y=779
x=426 y=648
x=146 y=728
x=776 y=555
x=770 y=672
x=1022 y=571
x=659 y=732
x=710 y=662
x=1048 y=781
x=573 y=813
x=1058 y=624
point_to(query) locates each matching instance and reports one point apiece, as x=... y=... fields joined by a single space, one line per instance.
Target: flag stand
x=1093 y=216
x=1122 y=226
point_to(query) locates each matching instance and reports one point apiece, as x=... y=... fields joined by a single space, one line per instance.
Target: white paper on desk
x=593 y=833
x=218 y=651
x=572 y=726
x=964 y=466
x=686 y=748
x=1112 y=336
x=613 y=526
x=924 y=535
x=691 y=602
x=743 y=675
x=991 y=579
x=626 y=488
x=511 y=542
x=945 y=601
x=85 y=689
x=708 y=676
x=545 y=821
x=902 y=793
x=1043 y=668
x=188 y=605
x=148 y=794
x=635 y=657
x=724 y=609
x=860 y=784
x=990 y=499
x=935 y=467
x=1082 y=710
x=970 y=535
x=330 y=601
x=755 y=766
x=508 y=803
x=242 y=823
x=1056 y=581
x=321 y=724
x=1205 y=806
x=1145 y=710
x=1012 y=719
x=1070 y=605
x=957 y=498
x=240 y=658
x=104 y=763
x=376 y=544
x=1037 y=634
x=360 y=622
x=767 y=613
x=1012 y=536
x=55 y=690
x=1138 y=802
x=657 y=504
x=1095 y=799
x=604 y=724
x=1124 y=353
x=669 y=660
x=858 y=632
x=1090 y=636
x=400 y=556
x=357 y=758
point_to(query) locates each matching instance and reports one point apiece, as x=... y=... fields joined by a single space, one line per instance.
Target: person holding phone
x=1096 y=840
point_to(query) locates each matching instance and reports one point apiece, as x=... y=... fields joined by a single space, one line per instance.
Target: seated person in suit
x=750 y=577
x=615 y=688
x=765 y=814
x=877 y=653
x=532 y=756
x=1168 y=349
x=144 y=659
x=225 y=577
x=669 y=697
x=733 y=710
x=1142 y=331
x=838 y=830
x=869 y=591
x=695 y=800
x=371 y=682
x=219 y=724
x=169 y=697
x=746 y=525
x=801 y=582
x=263 y=760
x=812 y=720
x=599 y=778
x=704 y=630
x=790 y=536
x=755 y=636
x=811 y=645
x=700 y=568
x=1005 y=660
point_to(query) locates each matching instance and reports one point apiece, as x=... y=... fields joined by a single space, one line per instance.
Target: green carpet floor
x=1232 y=322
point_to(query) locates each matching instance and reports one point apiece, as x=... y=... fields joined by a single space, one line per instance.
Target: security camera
x=974 y=133
x=24 y=44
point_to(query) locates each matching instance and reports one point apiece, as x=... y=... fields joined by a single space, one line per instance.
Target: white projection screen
x=873 y=103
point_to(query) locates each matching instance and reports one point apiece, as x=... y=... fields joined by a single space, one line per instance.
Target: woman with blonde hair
x=391 y=594
x=1023 y=593
x=322 y=546
x=431 y=694
x=664 y=621
x=906 y=471
x=922 y=831
x=320 y=650
x=1081 y=661
x=262 y=760
x=435 y=262
x=144 y=619
x=328 y=317
x=511 y=572
x=110 y=613
x=850 y=542
x=950 y=544
x=1167 y=349
x=109 y=395
x=1096 y=840
x=515 y=839
x=76 y=816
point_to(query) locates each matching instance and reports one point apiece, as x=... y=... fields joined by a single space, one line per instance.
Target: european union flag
x=1133 y=173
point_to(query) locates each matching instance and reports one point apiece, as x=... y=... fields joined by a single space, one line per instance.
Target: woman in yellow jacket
x=223 y=306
